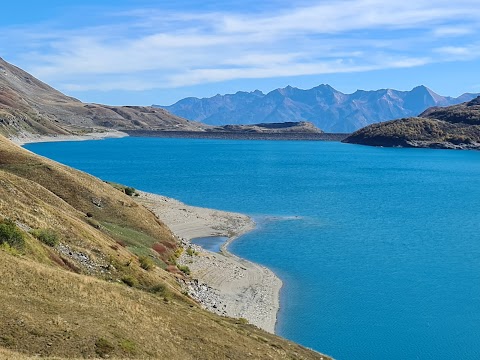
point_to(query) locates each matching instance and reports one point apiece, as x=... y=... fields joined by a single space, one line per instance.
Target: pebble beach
x=221 y=282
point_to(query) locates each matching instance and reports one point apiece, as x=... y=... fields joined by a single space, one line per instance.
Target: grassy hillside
x=456 y=127
x=53 y=312
x=29 y=106
x=72 y=286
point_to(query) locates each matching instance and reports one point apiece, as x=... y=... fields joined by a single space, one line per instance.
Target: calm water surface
x=379 y=249
x=210 y=243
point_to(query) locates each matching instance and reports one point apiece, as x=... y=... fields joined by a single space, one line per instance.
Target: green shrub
x=130 y=191
x=8 y=249
x=47 y=236
x=11 y=234
x=184 y=268
x=146 y=263
x=94 y=223
x=129 y=280
x=128 y=346
x=178 y=252
x=191 y=252
x=159 y=289
x=242 y=321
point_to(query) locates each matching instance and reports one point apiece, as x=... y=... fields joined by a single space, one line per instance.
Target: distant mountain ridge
x=325 y=107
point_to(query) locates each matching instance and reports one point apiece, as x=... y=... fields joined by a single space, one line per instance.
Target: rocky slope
x=28 y=105
x=88 y=273
x=453 y=127
x=325 y=107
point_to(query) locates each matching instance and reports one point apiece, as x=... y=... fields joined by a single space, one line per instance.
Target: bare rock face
x=28 y=105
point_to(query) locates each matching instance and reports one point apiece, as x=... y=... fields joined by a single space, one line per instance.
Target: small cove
x=210 y=243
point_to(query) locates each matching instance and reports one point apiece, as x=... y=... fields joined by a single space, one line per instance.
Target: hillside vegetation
x=74 y=281
x=29 y=106
x=453 y=127
x=465 y=113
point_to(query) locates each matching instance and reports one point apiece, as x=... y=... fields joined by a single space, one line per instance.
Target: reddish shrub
x=159 y=248
x=121 y=243
x=64 y=263
x=170 y=245
x=71 y=265
x=54 y=257
x=173 y=269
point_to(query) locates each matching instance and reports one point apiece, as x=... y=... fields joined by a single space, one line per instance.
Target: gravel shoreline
x=28 y=138
x=221 y=282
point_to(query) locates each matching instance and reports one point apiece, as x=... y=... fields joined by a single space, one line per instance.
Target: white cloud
x=452 y=31
x=145 y=48
x=349 y=15
x=468 y=52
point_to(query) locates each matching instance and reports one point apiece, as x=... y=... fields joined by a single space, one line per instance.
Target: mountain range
x=325 y=107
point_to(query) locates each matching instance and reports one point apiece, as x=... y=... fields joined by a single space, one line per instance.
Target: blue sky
x=143 y=52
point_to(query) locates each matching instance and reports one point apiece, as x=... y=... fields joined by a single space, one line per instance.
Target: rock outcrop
x=453 y=127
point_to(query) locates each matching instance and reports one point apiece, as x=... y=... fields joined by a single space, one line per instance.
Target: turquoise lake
x=212 y=243
x=378 y=248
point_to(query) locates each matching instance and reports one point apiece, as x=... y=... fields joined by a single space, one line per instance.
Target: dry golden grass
x=49 y=310
x=53 y=312
x=84 y=193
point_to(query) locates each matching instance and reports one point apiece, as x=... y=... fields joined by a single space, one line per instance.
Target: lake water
x=210 y=243
x=378 y=248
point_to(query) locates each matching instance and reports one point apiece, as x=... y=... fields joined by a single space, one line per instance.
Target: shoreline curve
x=28 y=138
x=222 y=282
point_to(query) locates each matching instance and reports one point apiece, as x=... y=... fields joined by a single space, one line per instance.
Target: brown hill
x=28 y=105
x=465 y=113
x=301 y=127
x=73 y=286
x=453 y=127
